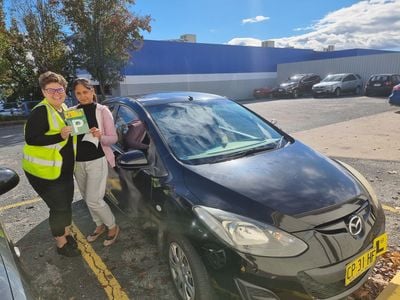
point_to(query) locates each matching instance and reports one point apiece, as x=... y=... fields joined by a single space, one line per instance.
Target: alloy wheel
x=181 y=272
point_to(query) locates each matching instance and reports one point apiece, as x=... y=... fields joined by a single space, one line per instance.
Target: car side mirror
x=132 y=160
x=8 y=180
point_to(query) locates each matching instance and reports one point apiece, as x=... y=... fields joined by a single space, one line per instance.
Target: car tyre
x=295 y=93
x=337 y=92
x=187 y=270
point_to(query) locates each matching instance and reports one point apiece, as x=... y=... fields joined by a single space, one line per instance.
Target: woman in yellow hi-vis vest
x=48 y=159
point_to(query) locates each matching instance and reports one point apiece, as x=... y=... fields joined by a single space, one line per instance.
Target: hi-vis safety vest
x=46 y=161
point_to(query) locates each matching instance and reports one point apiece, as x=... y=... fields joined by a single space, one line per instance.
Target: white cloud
x=366 y=24
x=255 y=19
x=245 y=42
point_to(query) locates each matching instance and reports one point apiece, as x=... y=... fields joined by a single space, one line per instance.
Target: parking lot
x=360 y=131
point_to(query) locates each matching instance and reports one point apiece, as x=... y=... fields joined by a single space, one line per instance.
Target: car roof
x=341 y=74
x=384 y=74
x=167 y=97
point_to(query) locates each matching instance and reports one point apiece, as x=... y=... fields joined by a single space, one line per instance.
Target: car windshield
x=295 y=78
x=330 y=78
x=214 y=130
x=379 y=78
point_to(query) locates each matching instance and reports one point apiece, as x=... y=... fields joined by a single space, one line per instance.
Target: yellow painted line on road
x=392 y=209
x=34 y=200
x=107 y=280
x=392 y=291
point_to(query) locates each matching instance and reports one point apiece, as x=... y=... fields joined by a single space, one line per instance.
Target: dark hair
x=51 y=77
x=86 y=83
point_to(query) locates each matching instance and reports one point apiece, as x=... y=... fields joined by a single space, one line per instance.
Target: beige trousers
x=91 y=177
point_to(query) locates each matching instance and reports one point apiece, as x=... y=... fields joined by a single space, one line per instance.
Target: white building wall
x=365 y=66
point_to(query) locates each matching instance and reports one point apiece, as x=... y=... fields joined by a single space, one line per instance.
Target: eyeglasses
x=54 y=91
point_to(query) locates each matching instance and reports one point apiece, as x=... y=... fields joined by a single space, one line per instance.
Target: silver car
x=337 y=84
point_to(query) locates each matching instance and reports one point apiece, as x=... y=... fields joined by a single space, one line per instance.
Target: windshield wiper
x=242 y=153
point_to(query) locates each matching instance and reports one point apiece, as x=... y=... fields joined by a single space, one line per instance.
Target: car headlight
x=250 y=236
x=363 y=181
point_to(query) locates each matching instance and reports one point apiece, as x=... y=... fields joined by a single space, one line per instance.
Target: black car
x=241 y=205
x=296 y=85
x=381 y=84
x=13 y=280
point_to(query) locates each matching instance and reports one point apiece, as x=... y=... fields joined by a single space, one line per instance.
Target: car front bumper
x=318 y=273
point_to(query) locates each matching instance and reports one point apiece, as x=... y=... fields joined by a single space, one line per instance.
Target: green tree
x=4 y=46
x=38 y=44
x=105 y=33
x=44 y=38
x=21 y=79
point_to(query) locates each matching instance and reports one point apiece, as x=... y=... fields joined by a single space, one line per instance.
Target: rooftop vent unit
x=269 y=44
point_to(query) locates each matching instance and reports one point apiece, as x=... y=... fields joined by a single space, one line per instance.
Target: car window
x=349 y=78
x=196 y=132
x=379 y=78
x=123 y=120
x=331 y=78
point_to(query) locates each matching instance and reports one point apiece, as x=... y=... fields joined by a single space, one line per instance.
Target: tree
x=104 y=34
x=4 y=46
x=44 y=38
x=21 y=78
x=38 y=44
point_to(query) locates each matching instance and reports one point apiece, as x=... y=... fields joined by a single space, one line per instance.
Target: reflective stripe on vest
x=46 y=161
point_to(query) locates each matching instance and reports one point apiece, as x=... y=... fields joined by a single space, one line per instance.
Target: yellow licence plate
x=366 y=260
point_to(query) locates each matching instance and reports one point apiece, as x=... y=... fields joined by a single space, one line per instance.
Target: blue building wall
x=233 y=71
x=164 y=57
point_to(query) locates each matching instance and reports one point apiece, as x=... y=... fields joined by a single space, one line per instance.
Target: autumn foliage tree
x=104 y=32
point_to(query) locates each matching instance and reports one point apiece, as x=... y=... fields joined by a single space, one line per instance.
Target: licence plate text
x=362 y=263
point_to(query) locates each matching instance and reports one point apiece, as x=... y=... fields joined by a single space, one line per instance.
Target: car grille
x=320 y=88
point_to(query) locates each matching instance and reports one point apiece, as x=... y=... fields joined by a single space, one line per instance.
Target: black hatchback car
x=296 y=85
x=241 y=205
x=381 y=84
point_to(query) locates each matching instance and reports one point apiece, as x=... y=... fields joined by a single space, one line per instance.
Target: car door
x=349 y=83
x=135 y=191
x=306 y=84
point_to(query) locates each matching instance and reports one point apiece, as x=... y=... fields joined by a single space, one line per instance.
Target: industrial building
x=234 y=71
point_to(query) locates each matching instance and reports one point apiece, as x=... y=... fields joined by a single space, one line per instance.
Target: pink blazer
x=109 y=134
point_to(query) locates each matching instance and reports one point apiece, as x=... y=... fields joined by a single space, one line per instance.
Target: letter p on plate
x=76 y=124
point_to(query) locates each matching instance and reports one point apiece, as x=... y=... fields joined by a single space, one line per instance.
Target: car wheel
x=187 y=270
x=295 y=94
x=357 y=91
x=337 y=92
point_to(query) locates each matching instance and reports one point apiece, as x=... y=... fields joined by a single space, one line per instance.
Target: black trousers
x=58 y=195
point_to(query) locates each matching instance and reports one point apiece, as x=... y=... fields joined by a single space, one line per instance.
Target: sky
x=310 y=24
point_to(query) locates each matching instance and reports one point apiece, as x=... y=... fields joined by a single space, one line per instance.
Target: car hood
x=294 y=187
x=328 y=83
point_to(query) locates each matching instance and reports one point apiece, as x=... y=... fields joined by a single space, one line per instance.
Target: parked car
x=296 y=85
x=13 y=281
x=264 y=92
x=338 y=84
x=381 y=84
x=394 y=98
x=240 y=203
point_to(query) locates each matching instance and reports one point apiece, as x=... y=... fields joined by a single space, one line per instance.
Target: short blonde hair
x=50 y=77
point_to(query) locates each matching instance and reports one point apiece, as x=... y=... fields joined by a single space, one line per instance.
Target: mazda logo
x=355 y=225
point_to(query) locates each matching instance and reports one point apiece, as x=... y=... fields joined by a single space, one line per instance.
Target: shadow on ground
x=133 y=260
